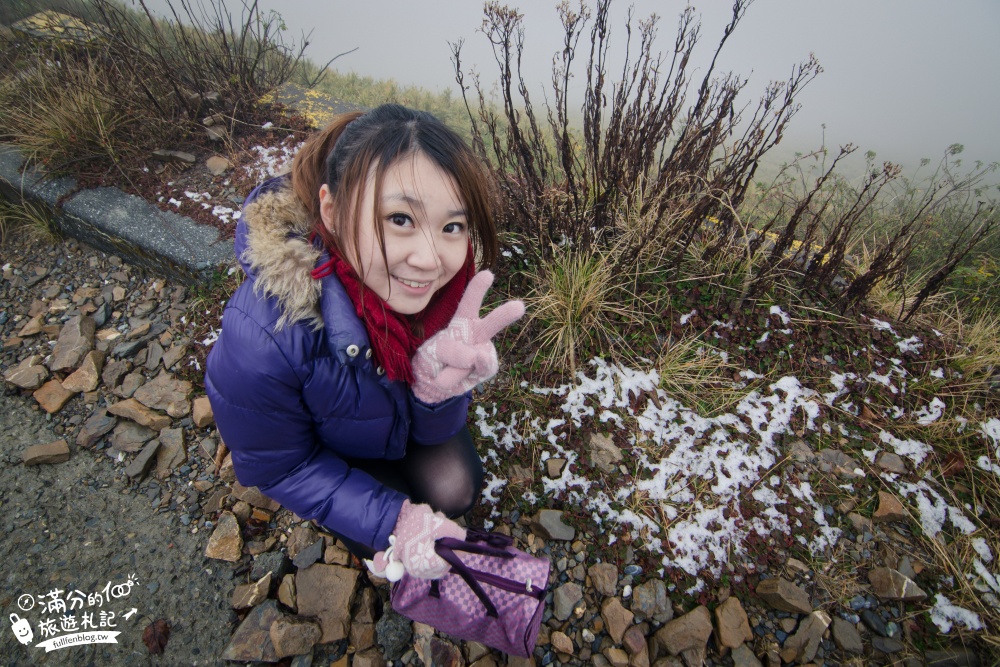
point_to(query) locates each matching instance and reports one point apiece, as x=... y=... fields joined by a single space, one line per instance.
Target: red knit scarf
x=392 y=335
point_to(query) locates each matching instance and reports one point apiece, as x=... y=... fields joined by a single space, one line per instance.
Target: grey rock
x=310 y=554
x=802 y=646
x=892 y=462
x=394 y=634
x=564 y=600
x=604 y=453
x=130 y=437
x=887 y=644
x=874 y=622
x=97 y=426
x=548 y=525
x=275 y=563
x=252 y=640
x=140 y=464
x=649 y=600
x=846 y=636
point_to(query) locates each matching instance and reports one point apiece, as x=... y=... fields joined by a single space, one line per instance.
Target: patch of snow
x=945 y=615
x=688 y=316
x=785 y=319
x=911 y=344
x=930 y=413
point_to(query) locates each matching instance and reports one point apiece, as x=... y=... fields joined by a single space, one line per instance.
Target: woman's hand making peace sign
x=460 y=356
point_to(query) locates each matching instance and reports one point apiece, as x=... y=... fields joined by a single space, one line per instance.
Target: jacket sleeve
x=256 y=395
x=434 y=423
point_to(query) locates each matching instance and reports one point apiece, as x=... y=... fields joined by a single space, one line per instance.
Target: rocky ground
x=115 y=495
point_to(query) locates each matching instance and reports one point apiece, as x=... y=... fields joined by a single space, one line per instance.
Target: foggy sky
x=903 y=78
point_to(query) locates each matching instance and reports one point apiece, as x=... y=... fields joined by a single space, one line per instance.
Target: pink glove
x=412 y=544
x=460 y=356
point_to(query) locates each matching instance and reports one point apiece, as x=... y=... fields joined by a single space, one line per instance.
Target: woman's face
x=425 y=227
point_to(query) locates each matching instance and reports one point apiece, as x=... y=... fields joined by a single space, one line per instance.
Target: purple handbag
x=494 y=593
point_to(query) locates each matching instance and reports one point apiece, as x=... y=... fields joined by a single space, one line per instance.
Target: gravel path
x=82 y=524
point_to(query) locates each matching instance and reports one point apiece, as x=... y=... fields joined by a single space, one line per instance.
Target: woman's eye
x=454 y=228
x=401 y=220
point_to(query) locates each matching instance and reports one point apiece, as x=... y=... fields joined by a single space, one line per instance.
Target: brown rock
x=88 y=375
x=130 y=437
x=562 y=643
x=783 y=595
x=29 y=374
x=688 y=632
x=52 y=397
x=362 y=635
x=616 y=618
x=636 y=646
x=218 y=165
x=252 y=594
x=616 y=657
x=98 y=425
x=253 y=496
x=548 y=525
x=172 y=453
x=166 y=393
x=227 y=473
x=301 y=537
x=892 y=462
x=53 y=452
x=337 y=555
x=140 y=463
x=367 y=606
x=173 y=355
x=32 y=327
x=802 y=646
x=226 y=542
x=373 y=658
x=732 y=624
x=326 y=592
x=744 y=657
x=76 y=339
x=649 y=600
x=252 y=640
x=889 y=509
x=140 y=414
x=554 y=467
x=889 y=584
x=604 y=577
x=201 y=412
x=294 y=636
x=286 y=592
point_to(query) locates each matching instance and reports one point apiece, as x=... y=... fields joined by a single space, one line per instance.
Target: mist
x=902 y=78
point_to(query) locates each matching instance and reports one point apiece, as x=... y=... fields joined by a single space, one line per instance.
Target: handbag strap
x=446 y=551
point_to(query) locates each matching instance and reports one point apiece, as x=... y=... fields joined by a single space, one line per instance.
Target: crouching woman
x=341 y=380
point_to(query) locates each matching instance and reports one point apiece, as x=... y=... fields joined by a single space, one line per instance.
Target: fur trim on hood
x=279 y=257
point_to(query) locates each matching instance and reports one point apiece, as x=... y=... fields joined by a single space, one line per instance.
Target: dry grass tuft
x=33 y=218
x=698 y=377
x=577 y=300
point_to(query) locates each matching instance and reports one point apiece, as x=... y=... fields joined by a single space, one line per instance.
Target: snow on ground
x=697 y=487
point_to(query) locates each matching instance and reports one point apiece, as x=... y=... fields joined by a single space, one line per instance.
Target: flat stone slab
x=119 y=223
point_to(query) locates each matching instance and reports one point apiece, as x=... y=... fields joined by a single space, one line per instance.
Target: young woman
x=342 y=377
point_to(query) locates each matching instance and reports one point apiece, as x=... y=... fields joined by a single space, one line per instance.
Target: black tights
x=448 y=477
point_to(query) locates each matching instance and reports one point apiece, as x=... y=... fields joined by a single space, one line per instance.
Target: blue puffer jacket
x=294 y=388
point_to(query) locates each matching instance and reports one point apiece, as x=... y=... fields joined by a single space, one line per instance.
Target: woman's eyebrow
x=415 y=203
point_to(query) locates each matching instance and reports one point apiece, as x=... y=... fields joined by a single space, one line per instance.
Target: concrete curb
x=115 y=222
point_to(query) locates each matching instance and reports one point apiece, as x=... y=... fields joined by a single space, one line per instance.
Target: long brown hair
x=354 y=145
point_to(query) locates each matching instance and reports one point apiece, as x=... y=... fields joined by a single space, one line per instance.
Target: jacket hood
x=273 y=247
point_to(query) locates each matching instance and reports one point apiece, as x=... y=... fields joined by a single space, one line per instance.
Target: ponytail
x=309 y=167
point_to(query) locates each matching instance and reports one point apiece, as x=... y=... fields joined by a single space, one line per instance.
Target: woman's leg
x=448 y=477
